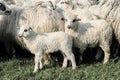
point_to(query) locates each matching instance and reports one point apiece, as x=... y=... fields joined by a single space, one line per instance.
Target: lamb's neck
x=30 y=37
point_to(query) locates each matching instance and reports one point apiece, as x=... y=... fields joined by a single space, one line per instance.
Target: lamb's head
x=25 y=31
x=71 y=20
x=4 y=10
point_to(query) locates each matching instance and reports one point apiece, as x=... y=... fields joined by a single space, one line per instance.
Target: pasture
x=22 y=70
x=15 y=66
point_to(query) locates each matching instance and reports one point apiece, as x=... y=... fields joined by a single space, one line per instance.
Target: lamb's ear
x=30 y=28
x=78 y=19
x=63 y=19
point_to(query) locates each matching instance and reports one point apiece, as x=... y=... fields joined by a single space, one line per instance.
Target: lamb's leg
x=106 y=50
x=72 y=59
x=69 y=55
x=40 y=61
x=47 y=58
x=64 y=65
x=36 y=63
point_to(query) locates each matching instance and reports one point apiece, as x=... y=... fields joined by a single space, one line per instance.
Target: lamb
x=40 y=43
x=89 y=34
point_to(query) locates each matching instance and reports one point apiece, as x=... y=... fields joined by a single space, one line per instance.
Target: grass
x=22 y=70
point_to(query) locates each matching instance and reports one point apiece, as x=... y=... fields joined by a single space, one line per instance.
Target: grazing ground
x=16 y=69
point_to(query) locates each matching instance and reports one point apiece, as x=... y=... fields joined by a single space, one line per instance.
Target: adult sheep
x=109 y=10
x=41 y=43
x=43 y=3
x=86 y=3
x=83 y=13
x=89 y=34
x=5 y=34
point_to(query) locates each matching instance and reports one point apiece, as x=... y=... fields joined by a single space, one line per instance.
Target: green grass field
x=22 y=70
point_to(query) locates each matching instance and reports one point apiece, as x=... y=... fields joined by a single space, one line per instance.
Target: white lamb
x=89 y=34
x=40 y=43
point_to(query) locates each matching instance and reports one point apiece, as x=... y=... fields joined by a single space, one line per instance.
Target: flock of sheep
x=46 y=26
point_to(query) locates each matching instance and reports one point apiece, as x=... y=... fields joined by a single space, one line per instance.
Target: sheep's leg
x=106 y=50
x=81 y=56
x=36 y=63
x=99 y=53
x=115 y=49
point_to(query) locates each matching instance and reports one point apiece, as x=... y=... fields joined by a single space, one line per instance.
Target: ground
x=16 y=69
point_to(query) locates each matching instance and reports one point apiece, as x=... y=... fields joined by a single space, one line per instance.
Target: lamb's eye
x=62 y=19
x=25 y=30
x=66 y=3
x=74 y=20
x=62 y=2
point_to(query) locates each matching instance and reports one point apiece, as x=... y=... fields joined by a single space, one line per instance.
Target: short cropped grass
x=22 y=70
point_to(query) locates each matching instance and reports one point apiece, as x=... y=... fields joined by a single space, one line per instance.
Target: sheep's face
x=25 y=31
x=71 y=21
x=4 y=10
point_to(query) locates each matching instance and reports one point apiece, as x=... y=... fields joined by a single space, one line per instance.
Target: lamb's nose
x=20 y=35
x=68 y=26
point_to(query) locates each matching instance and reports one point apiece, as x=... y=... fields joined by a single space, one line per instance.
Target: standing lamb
x=89 y=34
x=40 y=43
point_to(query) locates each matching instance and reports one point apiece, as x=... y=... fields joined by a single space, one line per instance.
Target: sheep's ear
x=78 y=19
x=63 y=19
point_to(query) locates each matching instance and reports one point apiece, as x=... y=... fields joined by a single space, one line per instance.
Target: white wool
x=87 y=3
x=68 y=5
x=41 y=43
x=109 y=10
x=89 y=34
x=84 y=14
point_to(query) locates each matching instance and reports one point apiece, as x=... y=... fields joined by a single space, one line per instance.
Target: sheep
x=43 y=3
x=102 y=10
x=83 y=13
x=109 y=10
x=5 y=36
x=40 y=43
x=89 y=34
x=86 y=3
x=75 y=3
x=65 y=4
